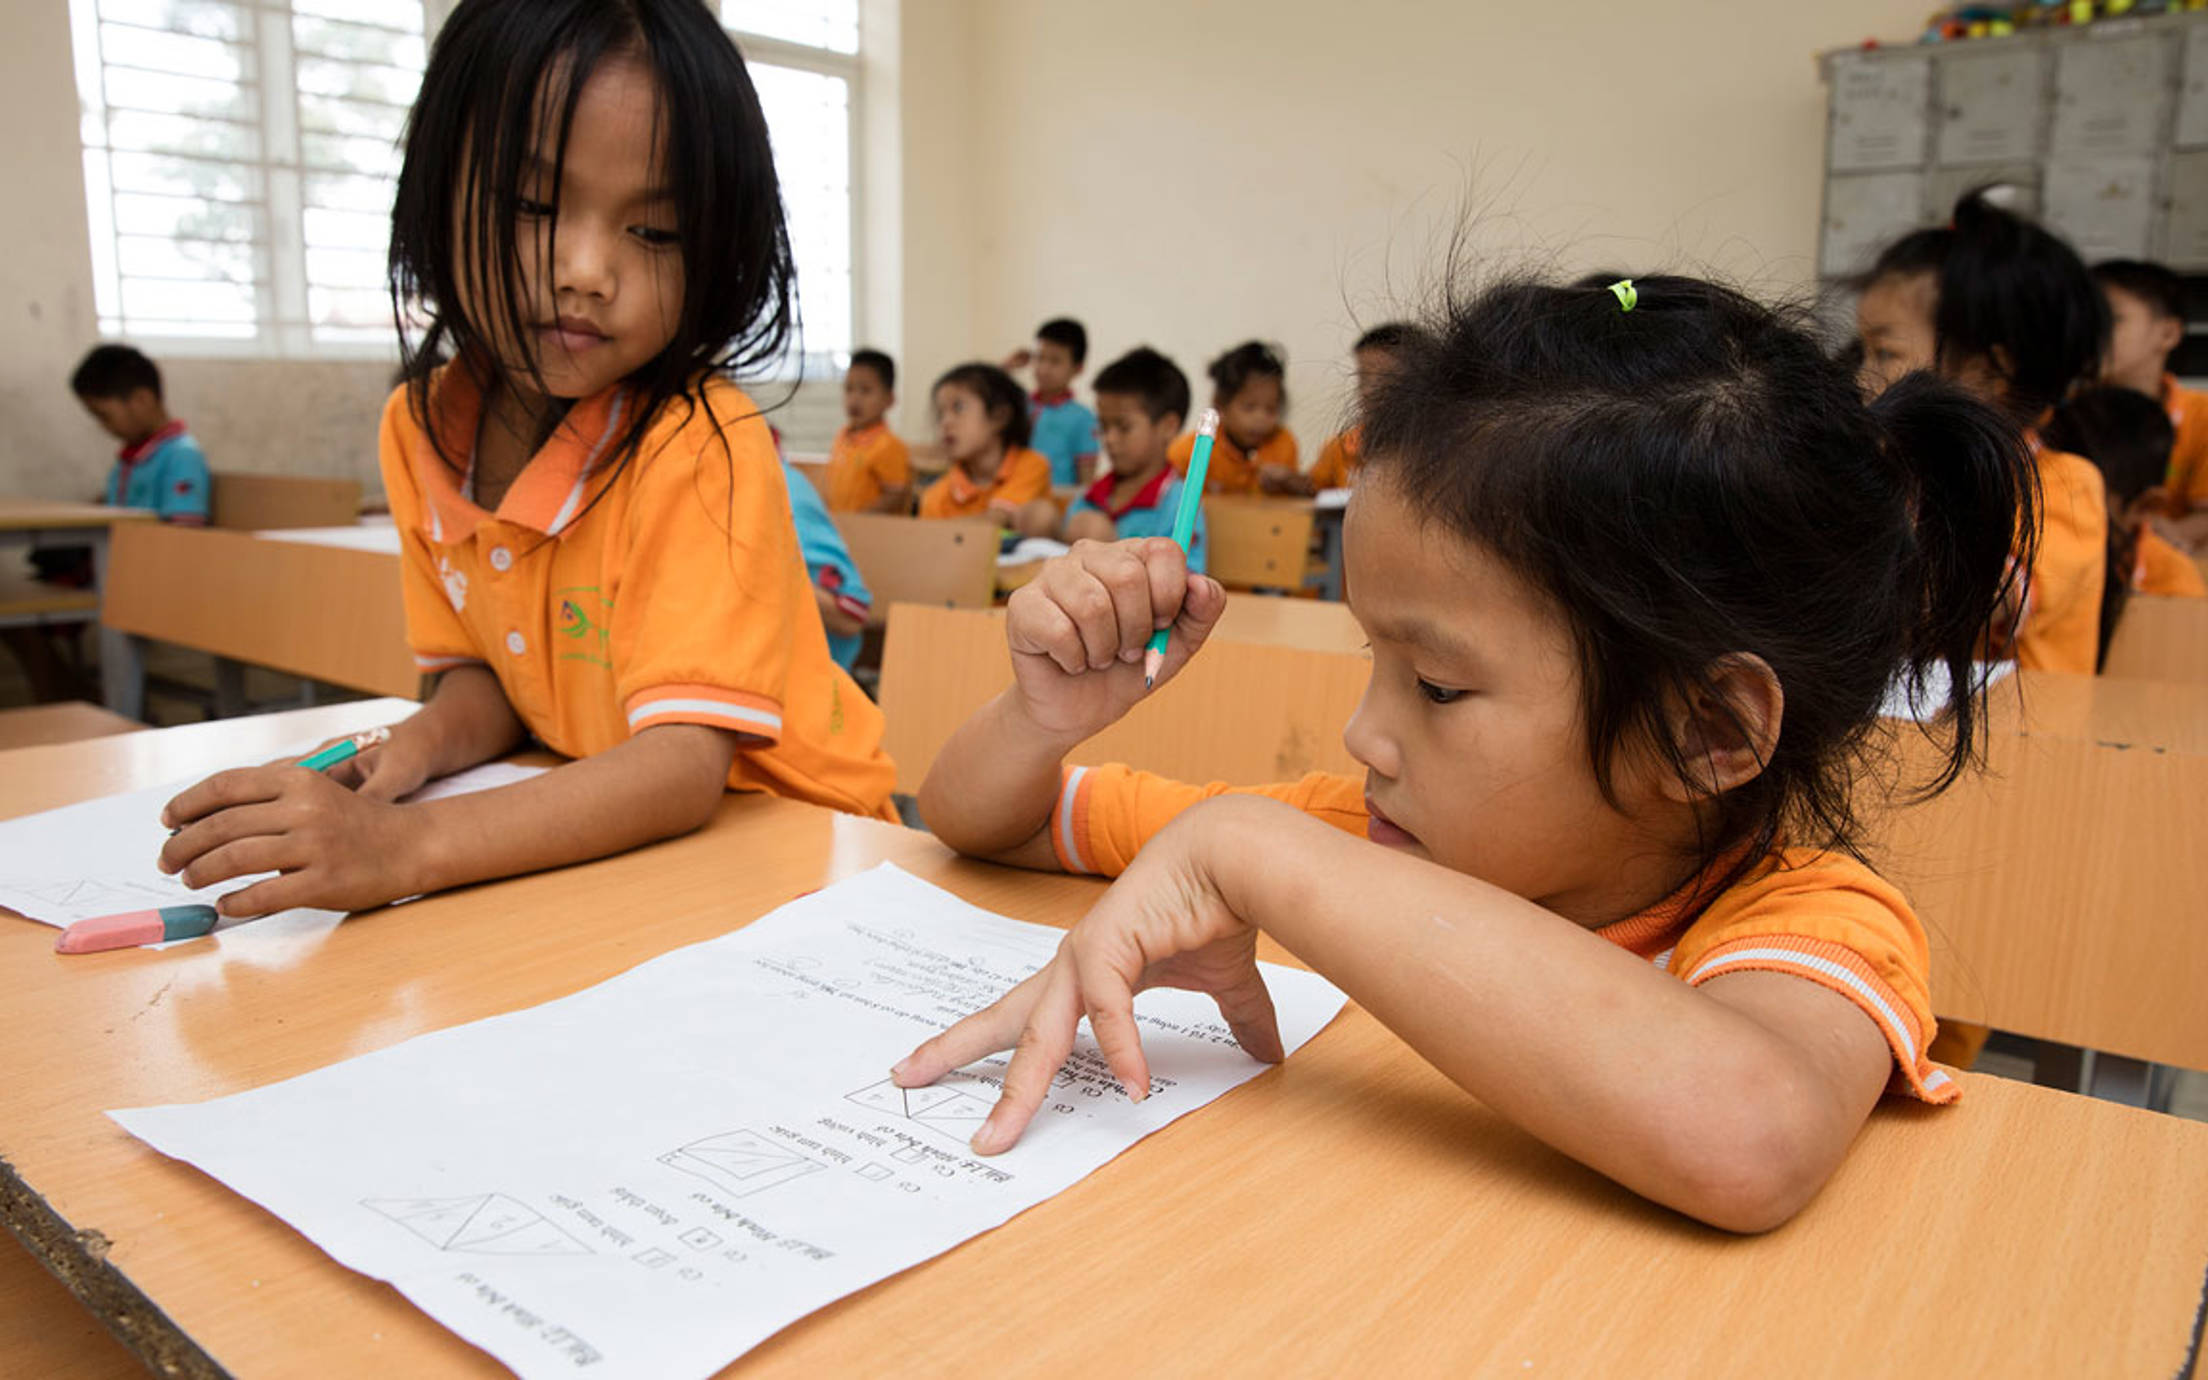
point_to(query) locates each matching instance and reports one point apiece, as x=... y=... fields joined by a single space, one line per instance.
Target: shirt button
x=502 y=560
x=516 y=644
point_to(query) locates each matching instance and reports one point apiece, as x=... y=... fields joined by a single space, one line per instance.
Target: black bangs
x=1694 y=479
x=502 y=85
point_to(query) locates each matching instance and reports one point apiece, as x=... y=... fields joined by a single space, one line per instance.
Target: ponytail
x=1977 y=529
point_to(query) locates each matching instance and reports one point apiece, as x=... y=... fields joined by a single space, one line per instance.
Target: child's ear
x=1727 y=727
x=2168 y=331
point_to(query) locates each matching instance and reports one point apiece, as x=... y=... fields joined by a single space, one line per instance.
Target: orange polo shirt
x=1823 y=917
x=861 y=464
x=2061 y=626
x=606 y=600
x=2160 y=568
x=1339 y=458
x=1023 y=477
x=1234 y=470
x=2188 y=476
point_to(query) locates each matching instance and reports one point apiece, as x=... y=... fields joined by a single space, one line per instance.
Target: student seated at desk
x=1060 y=427
x=869 y=469
x=160 y=468
x=1374 y=356
x=2007 y=310
x=983 y=421
x=2146 y=307
x=1249 y=389
x=1141 y=401
x=2127 y=436
x=839 y=589
x=1636 y=579
x=598 y=549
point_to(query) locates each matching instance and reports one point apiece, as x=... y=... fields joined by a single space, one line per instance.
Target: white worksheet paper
x=101 y=857
x=651 y=1177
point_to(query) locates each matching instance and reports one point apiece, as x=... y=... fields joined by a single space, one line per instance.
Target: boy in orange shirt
x=2146 y=307
x=2128 y=436
x=1375 y=355
x=1249 y=388
x=983 y=419
x=869 y=469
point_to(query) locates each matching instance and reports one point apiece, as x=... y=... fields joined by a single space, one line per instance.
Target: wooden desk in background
x=328 y=612
x=1349 y=1211
x=36 y=524
x=2160 y=639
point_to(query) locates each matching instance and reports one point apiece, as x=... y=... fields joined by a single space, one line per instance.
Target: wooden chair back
x=272 y=502
x=1242 y=712
x=2160 y=639
x=1257 y=543
x=947 y=562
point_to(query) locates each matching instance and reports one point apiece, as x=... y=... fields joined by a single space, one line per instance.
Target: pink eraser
x=127 y=930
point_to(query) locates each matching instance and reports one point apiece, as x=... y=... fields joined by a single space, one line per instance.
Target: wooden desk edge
x=79 y=1261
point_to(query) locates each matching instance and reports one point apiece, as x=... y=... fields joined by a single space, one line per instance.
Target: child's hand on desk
x=336 y=848
x=1078 y=630
x=1284 y=479
x=1163 y=924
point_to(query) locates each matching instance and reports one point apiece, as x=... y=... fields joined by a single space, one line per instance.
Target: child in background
x=869 y=469
x=1375 y=357
x=160 y=466
x=2146 y=307
x=597 y=545
x=838 y=588
x=983 y=421
x=1249 y=388
x=1636 y=582
x=1061 y=428
x=1141 y=401
x=2127 y=436
x=2007 y=310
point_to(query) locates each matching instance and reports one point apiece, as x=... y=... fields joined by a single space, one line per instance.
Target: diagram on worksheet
x=941 y=1106
x=741 y=1162
x=102 y=897
x=481 y=1224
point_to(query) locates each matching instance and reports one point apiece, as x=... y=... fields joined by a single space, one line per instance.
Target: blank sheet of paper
x=652 y=1176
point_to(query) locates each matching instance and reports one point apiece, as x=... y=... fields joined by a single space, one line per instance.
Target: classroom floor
x=191 y=678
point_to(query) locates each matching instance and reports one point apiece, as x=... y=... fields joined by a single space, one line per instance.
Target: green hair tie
x=1628 y=296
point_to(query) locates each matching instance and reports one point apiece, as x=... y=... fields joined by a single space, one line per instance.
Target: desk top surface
x=17 y=514
x=1350 y=1210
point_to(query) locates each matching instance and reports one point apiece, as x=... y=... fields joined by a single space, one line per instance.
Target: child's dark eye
x=1437 y=694
x=523 y=206
x=657 y=239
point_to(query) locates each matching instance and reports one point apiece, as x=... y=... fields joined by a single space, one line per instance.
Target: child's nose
x=1368 y=742
x=582 y=261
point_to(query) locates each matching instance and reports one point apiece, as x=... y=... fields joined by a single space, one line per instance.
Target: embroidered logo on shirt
x=586 y=621
x=456 y=584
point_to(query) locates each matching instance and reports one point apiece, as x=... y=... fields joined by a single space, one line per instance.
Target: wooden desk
x=2112 y=711
x=1351 y=1211
x=60 y=723
x=37 y=524
x=326 y=612
x=2160 y=639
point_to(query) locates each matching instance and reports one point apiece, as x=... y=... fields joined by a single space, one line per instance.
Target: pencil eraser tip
x=1208 y=424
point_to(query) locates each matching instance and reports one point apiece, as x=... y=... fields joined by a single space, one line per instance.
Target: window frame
x=282 y=327
x=761 y=50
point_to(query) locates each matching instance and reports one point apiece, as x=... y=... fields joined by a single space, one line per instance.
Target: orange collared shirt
x=1234 y=470
x=1023 y=477
x=2061 y=625
x=608 y=600
x=2160 y=568
x=1823 y=917
x=2188 y=476
x=1339 y=458
x=861 y=464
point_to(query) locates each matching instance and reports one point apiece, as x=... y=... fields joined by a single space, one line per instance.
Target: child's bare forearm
x=994 y=785
x=1672 y=1092
x=662 y=782
x=466 y=721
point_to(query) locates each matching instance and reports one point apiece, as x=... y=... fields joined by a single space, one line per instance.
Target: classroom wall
x=1192 y=175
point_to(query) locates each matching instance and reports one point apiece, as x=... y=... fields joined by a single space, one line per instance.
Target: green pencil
x=1184 y=525
x=345 y=749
